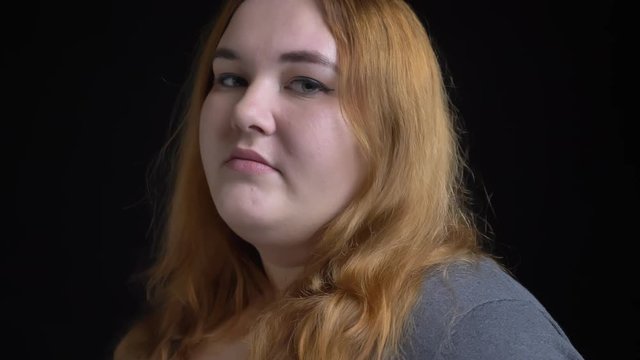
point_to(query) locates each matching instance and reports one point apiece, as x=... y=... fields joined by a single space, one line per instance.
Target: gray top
x=480 y=312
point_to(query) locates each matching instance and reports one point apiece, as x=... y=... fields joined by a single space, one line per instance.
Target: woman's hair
x=359 y=286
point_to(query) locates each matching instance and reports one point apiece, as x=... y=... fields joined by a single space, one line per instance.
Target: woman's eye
x=230 y=81
x=306 y=86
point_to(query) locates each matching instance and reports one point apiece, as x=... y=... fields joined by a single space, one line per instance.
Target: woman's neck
x=281 y=276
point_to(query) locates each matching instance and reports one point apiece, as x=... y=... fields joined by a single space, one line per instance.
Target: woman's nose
x=254 y=111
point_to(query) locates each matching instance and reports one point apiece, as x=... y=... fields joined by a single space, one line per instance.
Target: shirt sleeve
x=506 y=330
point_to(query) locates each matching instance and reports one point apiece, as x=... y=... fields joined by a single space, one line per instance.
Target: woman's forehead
x=270 y=28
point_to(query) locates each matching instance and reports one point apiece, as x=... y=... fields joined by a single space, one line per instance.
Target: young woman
x=317 y=208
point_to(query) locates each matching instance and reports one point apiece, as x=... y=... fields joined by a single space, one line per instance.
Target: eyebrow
x=298 y=56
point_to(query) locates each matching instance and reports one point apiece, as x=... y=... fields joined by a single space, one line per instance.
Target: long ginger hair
x=355 y=296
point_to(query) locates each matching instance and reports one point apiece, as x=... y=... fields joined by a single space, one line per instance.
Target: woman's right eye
x=229 y=81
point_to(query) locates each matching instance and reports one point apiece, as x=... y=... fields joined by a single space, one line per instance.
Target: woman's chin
x=249 y=216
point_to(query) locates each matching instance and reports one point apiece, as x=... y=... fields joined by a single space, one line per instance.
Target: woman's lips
x=249 y=162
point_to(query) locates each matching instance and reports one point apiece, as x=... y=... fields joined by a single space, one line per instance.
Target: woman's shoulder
x=134 y=345
x=463 y=285
x=476 y=309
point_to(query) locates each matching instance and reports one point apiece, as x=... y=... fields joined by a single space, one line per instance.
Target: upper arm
x=507 y=329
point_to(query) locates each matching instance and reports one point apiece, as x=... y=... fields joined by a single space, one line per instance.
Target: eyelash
x=318 y=86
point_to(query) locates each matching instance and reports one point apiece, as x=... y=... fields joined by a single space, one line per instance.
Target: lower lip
x=249 y=166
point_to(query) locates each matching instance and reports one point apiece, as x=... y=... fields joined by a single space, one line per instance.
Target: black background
x=91 y=91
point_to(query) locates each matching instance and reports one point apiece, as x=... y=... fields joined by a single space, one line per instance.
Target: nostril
x=257 y=128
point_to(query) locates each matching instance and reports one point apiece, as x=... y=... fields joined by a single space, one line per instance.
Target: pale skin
x=275 y=93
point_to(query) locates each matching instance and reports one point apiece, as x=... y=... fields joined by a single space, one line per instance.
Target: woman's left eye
x=307 y=86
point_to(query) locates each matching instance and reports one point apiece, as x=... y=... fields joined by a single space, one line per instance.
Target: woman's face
x=279 y=158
